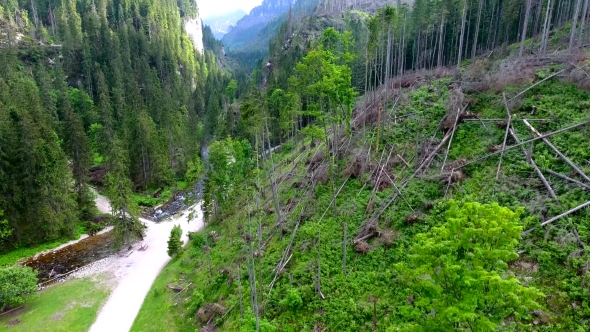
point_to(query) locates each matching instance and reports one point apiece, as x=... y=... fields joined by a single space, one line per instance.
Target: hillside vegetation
x=413 y=191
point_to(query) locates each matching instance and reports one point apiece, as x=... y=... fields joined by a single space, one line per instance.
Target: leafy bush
x=196 y=301
x=457 y=272
x=16 y=284
x=293 y=300
x=198 y=239
x=174 y=242
x=249 y=324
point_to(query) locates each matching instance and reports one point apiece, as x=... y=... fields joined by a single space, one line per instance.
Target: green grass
x=15 y=255
x=155 y=313
x=72 y=306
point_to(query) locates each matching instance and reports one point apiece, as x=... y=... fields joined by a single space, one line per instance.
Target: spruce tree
x=119 y=190
x=174 y=242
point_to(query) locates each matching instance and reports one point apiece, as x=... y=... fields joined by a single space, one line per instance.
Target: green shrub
x=457 y=272
x=16 y=284
x=198 y=239
x=196 y=301
x=293 y=300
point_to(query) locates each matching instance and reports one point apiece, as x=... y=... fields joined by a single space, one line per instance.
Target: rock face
x=194 y=29
x=247 y=28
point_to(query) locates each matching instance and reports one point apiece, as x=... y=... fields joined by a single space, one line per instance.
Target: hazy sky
x=215 y=7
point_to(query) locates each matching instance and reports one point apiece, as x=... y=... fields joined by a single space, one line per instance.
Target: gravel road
x=136 y=273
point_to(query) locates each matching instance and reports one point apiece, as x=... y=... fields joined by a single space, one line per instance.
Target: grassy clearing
x=72 y=306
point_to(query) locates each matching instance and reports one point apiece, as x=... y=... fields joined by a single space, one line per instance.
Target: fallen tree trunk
x=566 y=159
x=505 y=135
x=537 y=170
x=567 y=178
x=525 y=142
x=567 y=213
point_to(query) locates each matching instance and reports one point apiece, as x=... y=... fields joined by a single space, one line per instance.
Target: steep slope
x=222 y=24
x=429 y=203
x=286 y=257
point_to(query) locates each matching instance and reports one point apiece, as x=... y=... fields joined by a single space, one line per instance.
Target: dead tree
x=546 y=183
x=505 y=135
x=463 y=19
x=546 y=28
x=344 y=242
x=240 y=292
x=536 y=168
x=567 y=178
x=567 y=213
x=584 y=13
x=525 y=26
x=252 y=275
x=574 y=26
x=561 y=155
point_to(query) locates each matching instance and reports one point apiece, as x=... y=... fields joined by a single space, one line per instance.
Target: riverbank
x=12 y=257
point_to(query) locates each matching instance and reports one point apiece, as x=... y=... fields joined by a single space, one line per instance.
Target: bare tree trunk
x=462 y=34
x=574 y=25
x=546 y=27
x=402 y=56
x=273 y=183
x=525 y=26
x=440 y=38
x=344 y=251
x=240 y=292
x=319 y=283
x=208 y=258
x=584 y=13
x=254 y=294
x=476 y=36
x=538 y=16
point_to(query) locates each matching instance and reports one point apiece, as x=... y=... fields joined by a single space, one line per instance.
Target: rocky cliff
x=194 y=28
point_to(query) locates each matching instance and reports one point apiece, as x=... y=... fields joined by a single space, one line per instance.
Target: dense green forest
x=113 y=84
x=412 y=189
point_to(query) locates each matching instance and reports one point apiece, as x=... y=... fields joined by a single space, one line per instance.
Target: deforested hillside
x=419 y=168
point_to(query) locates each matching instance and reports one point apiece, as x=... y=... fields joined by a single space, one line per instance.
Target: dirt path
x=136 y=273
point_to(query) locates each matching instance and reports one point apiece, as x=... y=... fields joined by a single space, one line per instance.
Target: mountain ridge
x=222 y=24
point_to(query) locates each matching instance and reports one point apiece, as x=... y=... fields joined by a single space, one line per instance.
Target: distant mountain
x=249 y=26
x=222 y=24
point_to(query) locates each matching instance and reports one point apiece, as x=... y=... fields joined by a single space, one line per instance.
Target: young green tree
x=458 y=271
x=5 y=230
x=194 y=170
x=174 y=242
x=124 y=208
x=231 y=90
x=16 y=284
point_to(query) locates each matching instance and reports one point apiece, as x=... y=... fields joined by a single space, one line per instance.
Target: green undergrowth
x=549 y=258
x=147 y=199
x=71 y=306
